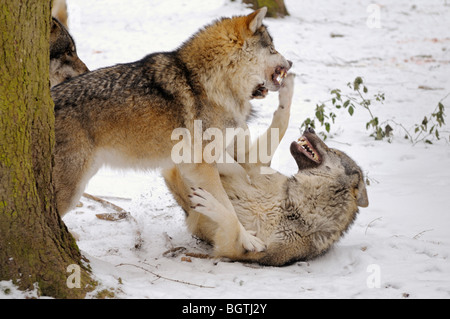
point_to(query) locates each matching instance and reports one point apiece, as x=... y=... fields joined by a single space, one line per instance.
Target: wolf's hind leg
x=70 y=185
x=232 y=238
x=75 y=164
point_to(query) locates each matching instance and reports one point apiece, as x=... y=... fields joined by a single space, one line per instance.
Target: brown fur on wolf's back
x=146 y=99
x=131 y=83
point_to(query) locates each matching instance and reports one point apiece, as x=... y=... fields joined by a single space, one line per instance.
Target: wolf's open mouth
x=306 y=148
x=260 y=92
x=279 y=75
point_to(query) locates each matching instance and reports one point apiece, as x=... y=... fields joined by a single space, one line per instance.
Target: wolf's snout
x=290 y=64
x=309 y=130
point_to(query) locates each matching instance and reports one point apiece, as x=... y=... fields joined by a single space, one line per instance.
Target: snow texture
x=398 y=247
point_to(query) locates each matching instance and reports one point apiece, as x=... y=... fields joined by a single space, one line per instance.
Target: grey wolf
x=124 y=115
x=59 y=11
x=64 y=60
x=297 y=217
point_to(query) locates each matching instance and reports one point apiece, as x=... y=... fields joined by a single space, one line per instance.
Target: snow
x=398 y=247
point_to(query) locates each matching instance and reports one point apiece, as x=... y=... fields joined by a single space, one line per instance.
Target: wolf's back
x=159 y=78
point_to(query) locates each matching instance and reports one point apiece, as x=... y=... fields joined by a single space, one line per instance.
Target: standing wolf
x=125 y=115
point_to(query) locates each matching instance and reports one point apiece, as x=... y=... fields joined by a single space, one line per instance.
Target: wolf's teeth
x=309 y=150
x=279 y=79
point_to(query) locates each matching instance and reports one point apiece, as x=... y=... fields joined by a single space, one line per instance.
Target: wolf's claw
x=250 y=242
x=206 y=204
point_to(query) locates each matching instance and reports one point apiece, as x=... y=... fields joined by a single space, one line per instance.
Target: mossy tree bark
x=35 y=246
x=275 y=8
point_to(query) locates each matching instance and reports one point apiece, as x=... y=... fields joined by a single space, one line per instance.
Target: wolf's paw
x=282 y=114
x=250 y=242
x=286 y=92
x=206 y=204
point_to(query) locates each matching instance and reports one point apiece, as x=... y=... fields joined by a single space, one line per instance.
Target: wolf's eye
x=292 y=217
x=272 y=49
x=71 y=51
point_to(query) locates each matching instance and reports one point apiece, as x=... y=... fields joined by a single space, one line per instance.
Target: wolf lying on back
x=297 y=217
x=125 y=115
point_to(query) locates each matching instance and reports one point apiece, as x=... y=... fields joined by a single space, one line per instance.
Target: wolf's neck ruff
x=213 y=56
x=234 y=60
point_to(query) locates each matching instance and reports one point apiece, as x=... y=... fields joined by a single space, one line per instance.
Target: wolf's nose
x=310 y=130
x=290 y=63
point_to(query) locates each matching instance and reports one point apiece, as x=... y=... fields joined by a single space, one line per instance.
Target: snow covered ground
x=398 y=247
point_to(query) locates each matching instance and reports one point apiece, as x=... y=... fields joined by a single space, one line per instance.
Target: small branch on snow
x=162 y=277
x=174 y=252
x=421 y=233
x=369 y=224
x=121 y=214
x=105 y=203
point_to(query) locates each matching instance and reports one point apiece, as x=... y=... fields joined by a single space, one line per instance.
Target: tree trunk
x=275 y=8
x=36 y=248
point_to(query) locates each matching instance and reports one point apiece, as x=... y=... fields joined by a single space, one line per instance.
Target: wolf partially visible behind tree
x=36 y=249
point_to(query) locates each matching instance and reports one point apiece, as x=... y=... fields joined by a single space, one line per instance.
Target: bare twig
x=421 y=233
x=448 y=94
x=121 y=214
x=402 y=127
x=174 y=252
x=368 y=225
x=112 y=217
x=105 y=203
x=162 y=277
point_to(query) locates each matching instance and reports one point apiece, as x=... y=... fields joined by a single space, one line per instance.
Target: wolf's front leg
x=271 y=138
x=281 y=116
x=231 y=239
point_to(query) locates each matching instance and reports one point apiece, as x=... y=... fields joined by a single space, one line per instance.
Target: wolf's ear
x=255 y=19
x=361 y=198
x=54 y=25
